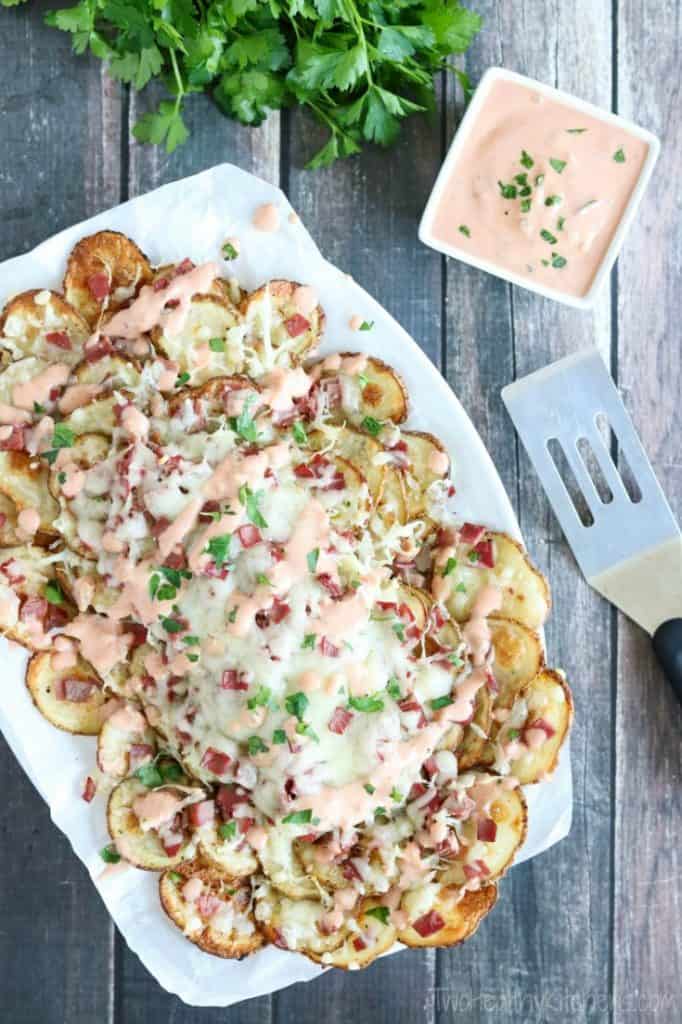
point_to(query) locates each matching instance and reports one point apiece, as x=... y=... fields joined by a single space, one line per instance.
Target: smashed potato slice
x=276 y=332
x=70 y=698
x=43 y=325
x=451 y=919
x=210 y=342
x=103 y=273
x=549 y=706
x=24 y=480
x=143 y=849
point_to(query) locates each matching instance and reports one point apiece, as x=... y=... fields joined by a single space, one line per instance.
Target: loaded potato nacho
x=316 y=693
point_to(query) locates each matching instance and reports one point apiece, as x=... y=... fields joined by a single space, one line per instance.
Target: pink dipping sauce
x=539 y=188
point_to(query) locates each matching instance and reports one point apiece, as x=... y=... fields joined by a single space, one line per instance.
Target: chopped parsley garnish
x=525 y=205
x=619 y=156
x=507 y=191
x=149 y=775
x=219 y=548
x=557 y=165
x=166 y=592
x=110 y=854
x=170 y=771
x=250 y=500
x=521 y=179
x=553 y=200
x=545 y=263
x=474 y=556
x=539 y=178
x=53 y=592
x=303 y=729
x=232 y=617
x=181 y=379
x=263 y=580
x=298 y=430
x=244 y=424
x=229 y=251
x=369 y=788
x=255 y=745
x=393 y=688
x=396 y=795
x=61 y=438
x=193 y=658
x=548 y=236
x=381 y=913
x=450 y=566
x=298 y=818
x=464 y=230
x=171 y=625
x=576 y=131
x=191 y=641
x=296 y=704
x=440 y=702
x=371 y=703
x=279 y=736
x=175 y=877
x=217 y=345
x=312 y=558
x=560 y=223
x=380 y=812
x=363 y=380
x=260 y=698
x=371 y=425
x=61 y=478
x=461 y=588
x=399 y=630
x=559 y=262
x=309 y=642
x=227 y=830
x=366 y=325
x=526 y=159
x=38 y=408
x=455 y=660
x=513 y=734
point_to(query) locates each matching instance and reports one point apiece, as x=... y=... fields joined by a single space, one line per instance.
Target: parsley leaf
x=298 y=818
x=219 y=549
x=250 y=501
x=296 y=704
x=369 y=704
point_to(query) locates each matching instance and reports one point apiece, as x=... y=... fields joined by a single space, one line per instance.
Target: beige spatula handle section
x=647 y=588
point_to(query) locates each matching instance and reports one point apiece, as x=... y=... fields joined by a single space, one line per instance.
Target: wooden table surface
x=590 y=930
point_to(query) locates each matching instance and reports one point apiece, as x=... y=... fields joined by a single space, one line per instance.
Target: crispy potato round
x=118 y=733
x=8 y=522
x=25 y=572
x=42 y=324
x=366 y=937
x=97 y=417
x=548 y=699
x=471 y=748
x=210 y=342
x=525 y=592
x=392 y=504
x=428 y=462
x=358 y=448
x=378 y=392
x=293 y=923
x=230 y=930
x=141 y=849
x=24 y=480
x=86 y=453
x=518 y=657
x=50 y=689
x=460 y=916
x=103 y=272
x=275 y=329
x=230 y=856
x=509 y=811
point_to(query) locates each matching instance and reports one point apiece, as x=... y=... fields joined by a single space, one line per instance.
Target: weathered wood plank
x=213 y=140
x=544 y=944
x=648 y=804
x=58 y=164
x=363 y=214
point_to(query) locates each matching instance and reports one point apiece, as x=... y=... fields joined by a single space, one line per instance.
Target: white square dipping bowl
x=466 y=125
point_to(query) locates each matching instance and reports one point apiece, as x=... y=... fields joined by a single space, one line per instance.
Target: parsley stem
x=178 y=80
x=356 y=20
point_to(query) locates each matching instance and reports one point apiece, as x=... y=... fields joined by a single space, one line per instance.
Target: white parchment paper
x=192 y=218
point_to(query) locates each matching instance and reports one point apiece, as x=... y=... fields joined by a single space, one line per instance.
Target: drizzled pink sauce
x=579 y=204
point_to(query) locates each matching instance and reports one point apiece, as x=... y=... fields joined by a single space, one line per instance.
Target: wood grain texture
x=648 y=806
x=550 y=913
x=58 y=164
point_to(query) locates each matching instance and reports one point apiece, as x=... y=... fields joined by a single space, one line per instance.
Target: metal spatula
x=628 y=547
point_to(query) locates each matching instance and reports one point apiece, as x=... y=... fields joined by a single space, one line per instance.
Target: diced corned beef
x=139 y=754
x=304 y=472
x=387 y=606
x=491 y=682
x=227 y=799
x=207 y=905
x=340 y=721
x=172 y=304
x=445 y=538
x=137 y=634
x=278 y=939
x=99 y=286
x=249 y=535
x=350 y=872
x=177 y=559
x=245 y=824
x=58 y=338
x=89 y=790
x=213 y=572
x=359 y=944
x=98 y=350
x=486 y=556
x=486 y=830
x=429 y=924
x=160 y=284
x=309 y=837
x=418 y=789
x=430 y=767
x=337 y=482
x=408 y=705
x=15 y=441
x=207 y=510
x=477 y=869
x=201 y=813
x=438 y=616
x=173 y=845
x=33 y=608
x=399 y=446
x=233 y=680
x=330 y=584
x=78 y=691
x=333 y=392
x=290 y=788
x=328 y=649
x=159 y=525
x=471 y=533
x=184 y=267
x=279 y=611
x=543 y=724
x=296 y=325
x=9 y=570
x=216 y=761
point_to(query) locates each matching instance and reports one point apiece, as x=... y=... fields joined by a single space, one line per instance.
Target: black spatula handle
x=668 y=647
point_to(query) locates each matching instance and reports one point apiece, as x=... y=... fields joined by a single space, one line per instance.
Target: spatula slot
x=617 y=456
x=592 y=466
x=569 y=481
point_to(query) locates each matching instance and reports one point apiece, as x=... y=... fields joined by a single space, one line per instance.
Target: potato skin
x=118 y=258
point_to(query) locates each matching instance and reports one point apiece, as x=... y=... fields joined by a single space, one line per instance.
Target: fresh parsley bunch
x=360 y=67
